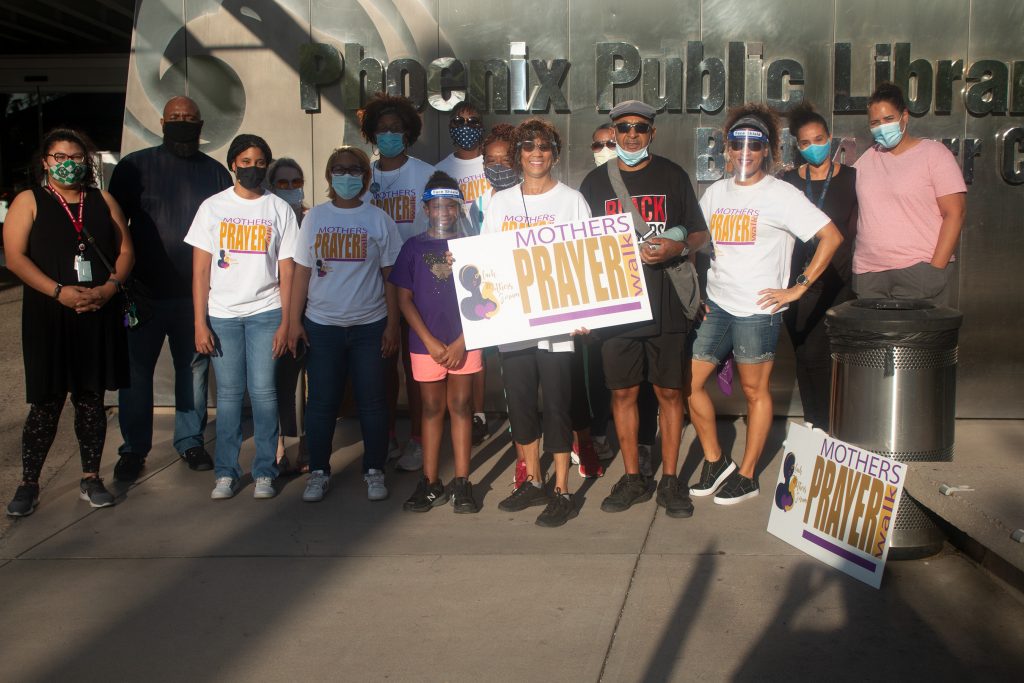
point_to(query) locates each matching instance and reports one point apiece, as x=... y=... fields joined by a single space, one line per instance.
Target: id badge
x=84 y=269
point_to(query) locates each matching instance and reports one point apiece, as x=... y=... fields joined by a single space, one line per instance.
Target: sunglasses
x=471 y=122
x=285 y=184
x=752 y=145
x=641 y=127
x=530 y=145
x=596 y=146
x=348 y=170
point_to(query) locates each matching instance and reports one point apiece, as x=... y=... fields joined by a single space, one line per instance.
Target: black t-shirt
x=663 y=194
x=841 y=206
x=160 y=194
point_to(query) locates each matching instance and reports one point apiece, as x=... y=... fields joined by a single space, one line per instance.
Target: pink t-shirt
x=899 y=215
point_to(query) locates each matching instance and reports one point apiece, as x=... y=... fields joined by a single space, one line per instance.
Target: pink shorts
x=424 y=369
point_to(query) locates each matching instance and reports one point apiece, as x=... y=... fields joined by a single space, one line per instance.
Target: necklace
x=375 y=186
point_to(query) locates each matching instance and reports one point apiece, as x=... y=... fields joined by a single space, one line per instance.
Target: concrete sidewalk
x=169 y=585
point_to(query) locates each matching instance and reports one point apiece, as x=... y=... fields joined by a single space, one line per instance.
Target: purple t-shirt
x=422 y=268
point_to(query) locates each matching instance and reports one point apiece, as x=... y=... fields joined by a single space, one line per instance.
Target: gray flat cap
x=633 y=108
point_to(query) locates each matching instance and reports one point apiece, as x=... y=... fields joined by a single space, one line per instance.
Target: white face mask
x=601 y=157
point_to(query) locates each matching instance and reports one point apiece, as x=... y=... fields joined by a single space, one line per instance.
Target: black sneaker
x=526 y=496
x=736 y=489
x=129 y=467
x=24 y=502
x=561 y=508
x=426 y=496
x=198 y=459
x=462 y=496
x=673 y=497
x=713 y=475
x=92 y=490
x=629 y=489
x=480 y=433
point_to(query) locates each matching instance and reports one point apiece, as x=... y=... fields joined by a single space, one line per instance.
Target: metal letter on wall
x=696 y=67
x=319 y=64
x=1010 y=166
x=402 y=71
x=947 y=72
x=446 y=75
x=549 y=86
x=989 y=80
x=843 y=100
x=363 y=77
x=488 y=85
x=920 y=70
x=710 y=154
x=672 y=100
x=609 y=76
x=777 y=71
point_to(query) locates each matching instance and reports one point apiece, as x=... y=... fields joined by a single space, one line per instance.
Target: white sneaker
x=316 y=486
x=412 y=457
x=264 y=488
x=375 y=488
x=394 y=450
x=644 y=451
x=223 y=489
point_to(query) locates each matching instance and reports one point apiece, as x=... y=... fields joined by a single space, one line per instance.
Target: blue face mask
x=347 y=186
x=816 y=154
x=888 y=135
x=391 y=144
x=631 y=158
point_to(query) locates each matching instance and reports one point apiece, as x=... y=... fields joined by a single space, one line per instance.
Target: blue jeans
x=244 y=359
x=172 y=319
x=335 y=353
x=752 y=338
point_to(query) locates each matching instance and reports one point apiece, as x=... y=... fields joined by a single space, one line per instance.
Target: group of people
x=291 y=302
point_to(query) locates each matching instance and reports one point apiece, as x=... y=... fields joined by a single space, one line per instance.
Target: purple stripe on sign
x=589 y=313
x=841 y=552
x=239 y=251
x=344 y=259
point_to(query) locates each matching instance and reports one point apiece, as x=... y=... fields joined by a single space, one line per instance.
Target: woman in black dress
x=832 y=188
x=72 y=329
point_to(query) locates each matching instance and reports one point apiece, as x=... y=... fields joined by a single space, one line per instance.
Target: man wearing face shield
x=652 y=351
x=160 y=190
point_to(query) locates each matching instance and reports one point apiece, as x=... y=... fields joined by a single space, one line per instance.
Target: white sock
x=481 y=416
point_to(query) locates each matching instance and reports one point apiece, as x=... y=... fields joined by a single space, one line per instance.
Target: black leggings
x=524 y=373
x=41 y=429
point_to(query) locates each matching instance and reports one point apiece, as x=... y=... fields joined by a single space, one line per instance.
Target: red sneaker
x=521 y=475
x=590 y=466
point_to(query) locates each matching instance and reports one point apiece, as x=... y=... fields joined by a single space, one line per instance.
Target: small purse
x=136 y=298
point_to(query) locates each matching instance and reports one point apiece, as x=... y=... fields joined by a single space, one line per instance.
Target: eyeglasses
x=347 y=170
x=641 y=127
x=60 y=157
x=530 y=145
x=293 y=184
x=471 y=122
x=752 y=145
x=597 y=145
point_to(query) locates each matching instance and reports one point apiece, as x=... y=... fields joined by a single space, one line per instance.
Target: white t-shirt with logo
x=246 y=237
x=399 y=194
x=512 y=210
x=345 y=249
x=754 y=228
x=476 y=191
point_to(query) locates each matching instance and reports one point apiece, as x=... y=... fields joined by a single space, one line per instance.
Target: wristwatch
x=56 y=290
x=802 y=280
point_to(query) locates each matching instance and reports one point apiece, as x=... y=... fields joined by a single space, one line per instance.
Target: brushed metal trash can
x=894 y=393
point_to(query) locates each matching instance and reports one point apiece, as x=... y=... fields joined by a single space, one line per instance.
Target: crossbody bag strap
x=619 y=186
x=95 y=247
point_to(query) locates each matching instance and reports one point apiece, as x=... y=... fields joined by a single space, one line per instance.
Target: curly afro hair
x=381 y=104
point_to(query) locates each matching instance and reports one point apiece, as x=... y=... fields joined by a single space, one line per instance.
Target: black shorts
x=628 y=361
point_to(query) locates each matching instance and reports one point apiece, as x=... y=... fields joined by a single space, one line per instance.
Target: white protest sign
x=837 y=502
x=549 y=279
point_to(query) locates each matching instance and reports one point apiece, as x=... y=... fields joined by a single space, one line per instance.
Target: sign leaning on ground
x=535 y=281
x=837 y=502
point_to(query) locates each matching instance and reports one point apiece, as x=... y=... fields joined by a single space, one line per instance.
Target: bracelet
x=56 y=290
x=117 y=283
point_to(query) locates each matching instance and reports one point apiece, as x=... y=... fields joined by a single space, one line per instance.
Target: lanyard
x=807 y=185
x=79 y=223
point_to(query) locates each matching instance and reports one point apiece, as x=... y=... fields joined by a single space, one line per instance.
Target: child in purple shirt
x=440 y=362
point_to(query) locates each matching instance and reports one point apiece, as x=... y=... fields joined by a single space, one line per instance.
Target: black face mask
x=182 y=137
x=250 y=177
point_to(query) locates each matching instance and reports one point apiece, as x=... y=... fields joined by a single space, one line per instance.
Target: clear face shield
x=748 y=151
x=445 y=213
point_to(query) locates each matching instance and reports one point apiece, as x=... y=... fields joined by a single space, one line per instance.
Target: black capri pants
x=524 y=373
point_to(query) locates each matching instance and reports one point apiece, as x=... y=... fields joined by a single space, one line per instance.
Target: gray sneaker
x=92 y=490
x=316 y=486
x=223 y=489
x=264 y=488
x=412 y=457
x=375 y=487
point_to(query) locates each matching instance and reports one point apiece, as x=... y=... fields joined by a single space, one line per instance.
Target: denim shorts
x=752 y=339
